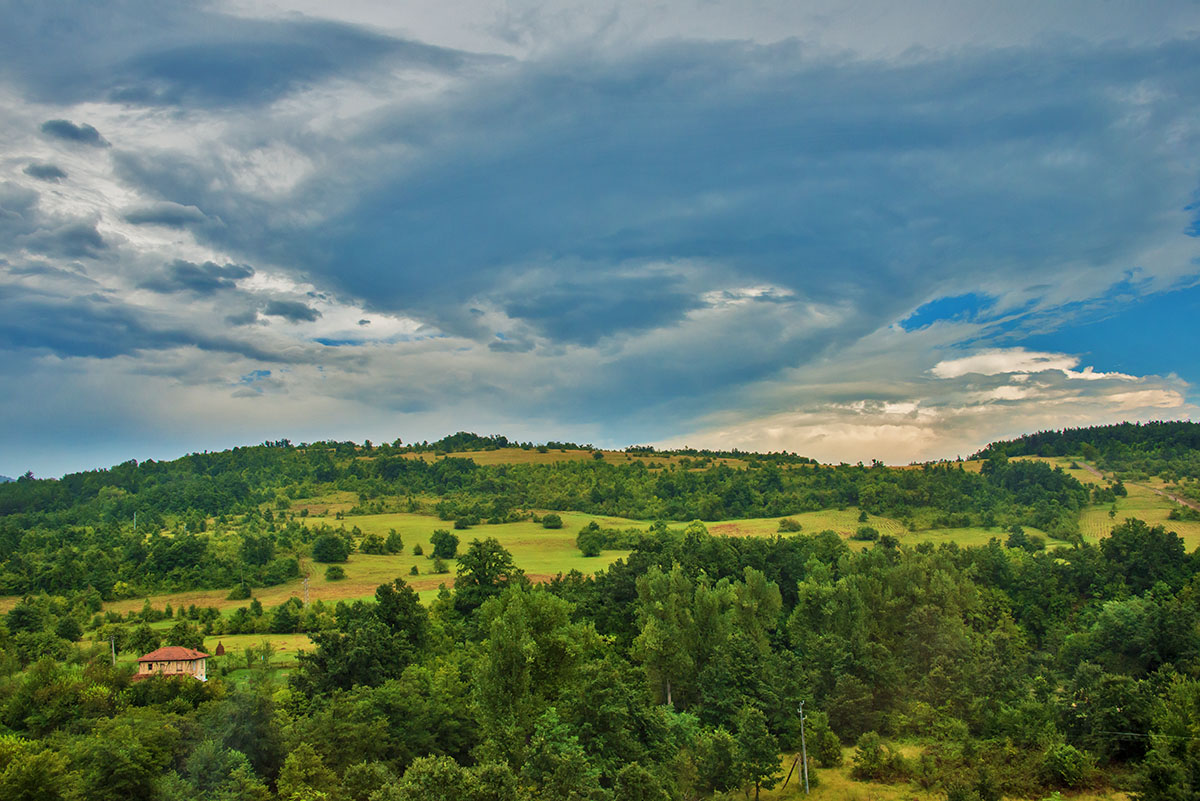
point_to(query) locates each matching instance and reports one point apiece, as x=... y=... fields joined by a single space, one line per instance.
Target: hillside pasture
x=553 y=455
x=542 y=553
x=1143 y=504
x=843 y=521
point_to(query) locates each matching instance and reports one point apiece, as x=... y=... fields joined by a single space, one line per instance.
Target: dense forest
x=676 y=673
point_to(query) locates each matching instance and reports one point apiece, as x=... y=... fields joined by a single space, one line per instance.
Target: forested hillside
x=1168 y=450
x=81 y=532
x=942 y=671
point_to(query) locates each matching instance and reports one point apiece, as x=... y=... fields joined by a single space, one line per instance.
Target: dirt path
x=1164 y=493
x=1176 y=498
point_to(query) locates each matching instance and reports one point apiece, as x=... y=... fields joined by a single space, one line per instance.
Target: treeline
x=675 y=674
x=1169 y=450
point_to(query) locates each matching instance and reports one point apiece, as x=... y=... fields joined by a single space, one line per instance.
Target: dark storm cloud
x=171 y=215
x=202 y=279
x=873 y=186
x=45 y=172
x=585 y=309
x=23 y=225
x=247 y=317
x=66 y=130
x=180 y=53
x=99 y=327
x=291 y=310
x=77 y=239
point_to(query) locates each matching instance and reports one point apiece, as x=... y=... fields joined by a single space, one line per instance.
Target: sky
x=852 y=230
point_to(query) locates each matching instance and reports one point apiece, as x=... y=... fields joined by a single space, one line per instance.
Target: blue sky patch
x=956 y=308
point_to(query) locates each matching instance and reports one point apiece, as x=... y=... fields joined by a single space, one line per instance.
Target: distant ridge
x=6 y=479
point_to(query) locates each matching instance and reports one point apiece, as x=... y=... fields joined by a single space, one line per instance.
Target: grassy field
x=844 y=522
x=835 y=784
x=542 y=553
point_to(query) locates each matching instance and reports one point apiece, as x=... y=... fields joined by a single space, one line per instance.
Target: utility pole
x=306 y=590
x=135 y=521
x=803 y=748
x=112 y=643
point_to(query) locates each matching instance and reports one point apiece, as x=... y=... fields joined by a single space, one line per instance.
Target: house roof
x=173 y=653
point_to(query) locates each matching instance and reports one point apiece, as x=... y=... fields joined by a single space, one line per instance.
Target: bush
x=414 y=571
x=866 y=534
x=373 y=544
x=445 y=544
x=239 y=593
x=335 y=573
x=394 y=542
x=552 y=520
x=789 y=526
x=874 y=761
x=439 y=565
x=590 y=540
x=1066 y=766
x=418 y=550
x=330 y=548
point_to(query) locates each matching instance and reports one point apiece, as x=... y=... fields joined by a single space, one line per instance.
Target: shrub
x=552 y=520
x=334 y=573
x=445 y=544
x=239 y=593
x=394 y=542
x=414 y=571
x=866 y=534
x=590 y=540
x=788 y=525
x=874 y=761
x=439 y=565
x=418 y=550
x=1066 y=766
x=330 y=548
x=373 y=544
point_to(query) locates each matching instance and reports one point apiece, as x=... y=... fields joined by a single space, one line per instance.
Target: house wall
x=176 y=667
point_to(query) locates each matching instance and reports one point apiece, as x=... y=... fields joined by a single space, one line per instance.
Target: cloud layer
x=610 y=226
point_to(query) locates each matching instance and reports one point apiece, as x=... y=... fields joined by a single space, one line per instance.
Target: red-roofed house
x=173 y=660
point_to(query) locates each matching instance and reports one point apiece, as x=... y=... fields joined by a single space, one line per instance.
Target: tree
x=529 y=658
x=635 y=783
x=590 y=539
x=445 y=544
x=186 y=635
x=433 y=778
x=394 y=542
x=305 y=776
x=552 y=520
x=664 y=644
x=69 y=629
x=30 y=774
x=330 y=548
x=484 y=570
x=757 y=755
x=370 y=643
x=557 y=764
